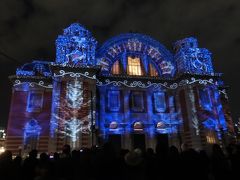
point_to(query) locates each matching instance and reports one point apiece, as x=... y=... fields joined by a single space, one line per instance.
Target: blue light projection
x=76 y=47
x=126 y=106
x=211 y=123
x=191 y=59
x=72 y=130
x=74 y=94
x=31 y=134
x=205 y=99
x=220 y=113
x=35 y=68
x=216 y=119
x=55 y=108
x=119 y=122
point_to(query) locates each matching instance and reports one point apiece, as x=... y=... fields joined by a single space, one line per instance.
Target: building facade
x=130 y=90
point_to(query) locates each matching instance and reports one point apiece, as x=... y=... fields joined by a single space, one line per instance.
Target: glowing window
x=116 y=68
x=152 y=70
x=134 y=66
x=211 y=138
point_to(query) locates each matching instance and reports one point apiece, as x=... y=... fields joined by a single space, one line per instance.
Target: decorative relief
x=224 y=93
x=139 y=44
x=149 y=84
x=17 y=82
x=73 y=74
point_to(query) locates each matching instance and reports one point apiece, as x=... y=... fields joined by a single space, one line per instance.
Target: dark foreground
x=105 y=163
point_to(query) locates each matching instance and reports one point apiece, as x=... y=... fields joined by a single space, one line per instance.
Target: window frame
x=139 y=68
x=29 y=101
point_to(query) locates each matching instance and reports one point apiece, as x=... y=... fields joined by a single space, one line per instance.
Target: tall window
x=159 y=102
x=35 y=101
x=114 y=100
x=137 y=101
x=116 y=68
x=31 y=134
x=134 y=66
x=205 y=99
x=152 y=70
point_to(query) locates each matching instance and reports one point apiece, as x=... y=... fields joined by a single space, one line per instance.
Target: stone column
x=193 y=119
x=53 y=131
x=127 y=140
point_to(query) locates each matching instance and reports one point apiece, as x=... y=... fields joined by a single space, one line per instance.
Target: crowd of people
x=107 y=163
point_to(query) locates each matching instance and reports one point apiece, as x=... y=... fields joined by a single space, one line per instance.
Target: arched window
x=113 y=125
x=134 y=66
x=138 y=126
x=31 y=134
x=160 y=125
x=116 y=69
x=152 y=70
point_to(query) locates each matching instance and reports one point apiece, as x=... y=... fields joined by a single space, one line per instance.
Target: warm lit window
x=134 y=66
x=211 y=138
x=116 y=68
x=159 y=102
x=152 y=70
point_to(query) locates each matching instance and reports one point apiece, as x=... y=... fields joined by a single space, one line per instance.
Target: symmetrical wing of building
x=130 y=90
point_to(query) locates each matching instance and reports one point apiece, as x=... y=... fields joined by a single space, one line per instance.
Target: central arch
x=134 y=44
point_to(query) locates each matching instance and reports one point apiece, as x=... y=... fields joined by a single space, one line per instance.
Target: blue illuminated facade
x=130 y=90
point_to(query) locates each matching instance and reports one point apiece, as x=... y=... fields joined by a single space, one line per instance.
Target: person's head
x=75 y=154
x=161 y=149
x=150 y=151
x=217 y=150
x=123 y=152
x=6 y=156
x=184 y=147
x=18 y=159
x=56 y=156
x=66 y=149
x=134 y=158
x=33 y=153
x=173 y=151
x=44 y=157
x=138 y=151
x=203 y=154
x=108 y=150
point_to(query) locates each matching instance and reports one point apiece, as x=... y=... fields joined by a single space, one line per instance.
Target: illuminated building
x=130 y=90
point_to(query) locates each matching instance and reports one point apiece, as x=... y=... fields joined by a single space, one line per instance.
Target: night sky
x=28 y=29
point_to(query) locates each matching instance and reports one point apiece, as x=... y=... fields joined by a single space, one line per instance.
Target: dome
x=139 y=48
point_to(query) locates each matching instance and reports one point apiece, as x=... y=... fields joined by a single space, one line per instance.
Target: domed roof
x=136 y=44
